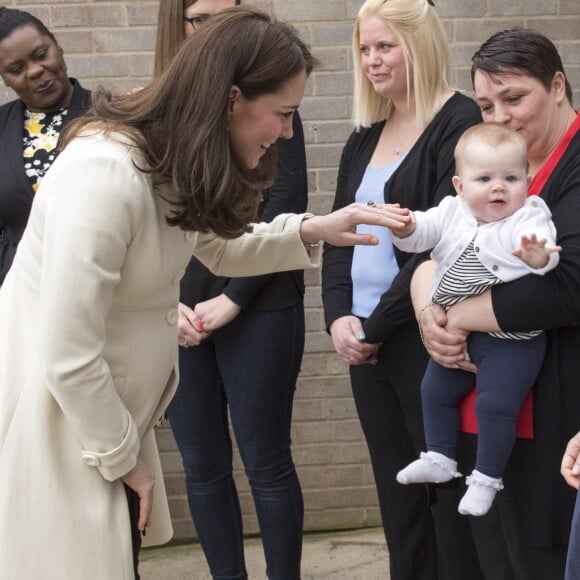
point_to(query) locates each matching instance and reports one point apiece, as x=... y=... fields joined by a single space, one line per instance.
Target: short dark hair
x=521 y=51
x=11 y=19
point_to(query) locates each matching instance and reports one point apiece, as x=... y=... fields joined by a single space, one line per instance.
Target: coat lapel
x=12 y=136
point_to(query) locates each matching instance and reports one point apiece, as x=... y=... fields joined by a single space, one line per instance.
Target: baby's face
x=492 y=180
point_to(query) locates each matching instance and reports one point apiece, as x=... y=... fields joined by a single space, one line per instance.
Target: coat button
x=91 y=460
x=172 y=316
x=476 y=248
x=180 y=274
x=495 y=268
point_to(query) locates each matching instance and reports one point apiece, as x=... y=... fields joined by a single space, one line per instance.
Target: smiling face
x=255 y=125
x=201 y=10
x=382 y=58
x=523 y=103
x=492 y=180
x=32 y=64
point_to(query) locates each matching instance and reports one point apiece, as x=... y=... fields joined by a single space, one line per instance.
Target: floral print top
x=41 y=133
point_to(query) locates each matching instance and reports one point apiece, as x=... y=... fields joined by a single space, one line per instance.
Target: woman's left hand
x=570 y=469
x=444 y=342
x=339 y=227
x=188 y=333
x=142 y=481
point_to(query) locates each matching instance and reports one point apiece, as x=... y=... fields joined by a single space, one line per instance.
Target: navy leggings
x=507 y=369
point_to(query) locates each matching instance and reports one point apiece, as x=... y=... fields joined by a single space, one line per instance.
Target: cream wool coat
x=88 y=357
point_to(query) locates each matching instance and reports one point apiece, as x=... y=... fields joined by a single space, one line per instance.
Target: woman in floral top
x=33 y=66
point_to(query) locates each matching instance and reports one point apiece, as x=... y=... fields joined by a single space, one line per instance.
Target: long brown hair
x=170 y=34
x=180 y=121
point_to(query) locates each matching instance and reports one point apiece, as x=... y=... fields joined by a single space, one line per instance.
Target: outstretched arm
x=339 y=227
x=289 y=241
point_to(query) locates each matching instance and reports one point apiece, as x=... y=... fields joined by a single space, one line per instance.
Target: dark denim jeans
x=573 y=562
x=250 y=366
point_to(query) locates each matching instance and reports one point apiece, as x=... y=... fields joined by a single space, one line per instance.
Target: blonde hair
x=425 y=50
x=492 y=134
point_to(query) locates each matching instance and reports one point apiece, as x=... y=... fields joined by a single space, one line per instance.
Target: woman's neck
x=403 y=108
x=404 y=111
x=560 y=126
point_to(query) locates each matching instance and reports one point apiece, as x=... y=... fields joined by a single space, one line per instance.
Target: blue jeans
x=573 y=560
x=251 y=366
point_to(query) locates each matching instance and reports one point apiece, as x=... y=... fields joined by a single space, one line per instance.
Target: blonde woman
x=407 y=122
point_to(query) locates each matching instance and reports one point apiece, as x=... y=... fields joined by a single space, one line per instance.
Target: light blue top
x=373 y=267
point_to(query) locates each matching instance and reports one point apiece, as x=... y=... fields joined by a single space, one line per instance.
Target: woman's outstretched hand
x=339 y=227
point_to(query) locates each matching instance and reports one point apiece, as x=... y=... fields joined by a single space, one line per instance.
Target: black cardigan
x=422 y=180
x=552 y=302
x=271 y=291
x=16 y=193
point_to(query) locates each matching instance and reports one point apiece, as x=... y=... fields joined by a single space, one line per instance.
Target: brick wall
x=111 y=42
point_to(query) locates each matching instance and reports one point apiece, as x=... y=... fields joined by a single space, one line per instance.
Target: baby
x=490 y=233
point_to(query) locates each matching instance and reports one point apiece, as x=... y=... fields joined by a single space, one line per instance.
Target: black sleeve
x=288 y=194
x=553 y=300
x=426 y=180
x=337 y=261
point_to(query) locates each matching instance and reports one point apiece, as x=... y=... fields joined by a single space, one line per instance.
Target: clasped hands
x=196 y=324
x=348 y=338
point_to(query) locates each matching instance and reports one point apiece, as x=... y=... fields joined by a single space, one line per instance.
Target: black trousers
x=501 y=537
x=415 y=518
x=133 y=504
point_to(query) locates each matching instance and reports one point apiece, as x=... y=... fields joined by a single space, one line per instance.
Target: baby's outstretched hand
x=535 y=253
x=404 y=218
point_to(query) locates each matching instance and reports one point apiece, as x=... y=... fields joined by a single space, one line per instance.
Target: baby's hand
x=404 y=217
x=535 y=253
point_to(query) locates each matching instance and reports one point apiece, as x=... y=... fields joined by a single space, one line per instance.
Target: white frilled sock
x=480 y=494
x=431 y=467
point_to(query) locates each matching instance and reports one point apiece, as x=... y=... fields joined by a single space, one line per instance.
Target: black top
x=271 y=291
x=16 y=192
x=421 y=181
x=552 y=302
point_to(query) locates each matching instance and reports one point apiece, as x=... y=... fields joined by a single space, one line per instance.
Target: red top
x=525 y=423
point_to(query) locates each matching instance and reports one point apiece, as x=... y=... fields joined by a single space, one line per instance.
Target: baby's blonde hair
x=493 y=134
